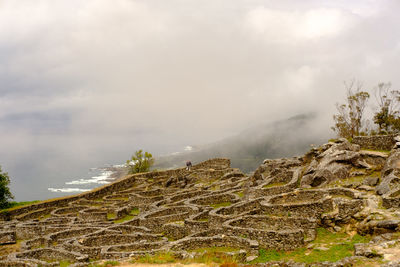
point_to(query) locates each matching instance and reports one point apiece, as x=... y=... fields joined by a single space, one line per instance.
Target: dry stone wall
x=212 y=205
x=377 y=142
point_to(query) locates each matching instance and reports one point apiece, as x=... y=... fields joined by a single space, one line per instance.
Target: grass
x=134 y=212
x=159 y=258
x=273 y=185
x=13 y=205
x=215 y=250
x=222 y=204
x=355 y=179
x=378 y=150
x=111 y=216
x=124 y=219
x=336 y=247
x=105 y=264
x=178 y=222
x=209 y=256
x=64 y=263
x=240 y=194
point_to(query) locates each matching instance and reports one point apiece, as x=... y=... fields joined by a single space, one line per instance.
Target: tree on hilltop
x=140 y=162
x=5 y=193
x=349 y=120
x=387 y=116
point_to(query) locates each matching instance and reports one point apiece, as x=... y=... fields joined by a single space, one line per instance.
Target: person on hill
x=188 y=165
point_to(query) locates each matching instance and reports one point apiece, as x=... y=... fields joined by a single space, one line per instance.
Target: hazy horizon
x=86 y=83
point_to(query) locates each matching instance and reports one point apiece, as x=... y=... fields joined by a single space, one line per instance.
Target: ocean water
x=95 y=177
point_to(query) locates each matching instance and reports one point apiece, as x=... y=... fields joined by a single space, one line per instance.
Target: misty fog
x=86 y=83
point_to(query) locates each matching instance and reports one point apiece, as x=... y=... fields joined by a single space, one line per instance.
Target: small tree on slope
x=349 y=120
x=140 y=162
x=5 y=194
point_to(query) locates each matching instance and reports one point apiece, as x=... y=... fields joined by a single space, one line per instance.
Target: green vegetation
x=13 y=205
x=326 y=247
x=215 y=249
x=349 y=121
x=219 y=205
x=64 y=263
x=105 y=264
x=134 y=211
x=111 y=216
x=387 y=117
x=5 y=193
x=159 y=258
x=240 y=194
x=355 y=179
x=132 y=214
x=378 y=150
x=207 y=256
x=140 y=162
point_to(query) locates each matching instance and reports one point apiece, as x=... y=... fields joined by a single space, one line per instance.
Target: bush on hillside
x=5 y=193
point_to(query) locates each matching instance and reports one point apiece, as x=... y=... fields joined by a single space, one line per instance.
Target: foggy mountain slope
x=247 y=150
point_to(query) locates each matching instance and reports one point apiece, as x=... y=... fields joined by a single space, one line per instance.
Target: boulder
x=371 y=181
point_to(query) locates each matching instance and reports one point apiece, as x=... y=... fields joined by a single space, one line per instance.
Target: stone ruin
x=280 y=207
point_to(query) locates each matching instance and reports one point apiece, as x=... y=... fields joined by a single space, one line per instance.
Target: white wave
x=188 y=148
x=119 y=165
x=102 y=179
x=67 y=190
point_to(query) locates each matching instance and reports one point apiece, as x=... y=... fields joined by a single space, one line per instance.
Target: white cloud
x=287 y=26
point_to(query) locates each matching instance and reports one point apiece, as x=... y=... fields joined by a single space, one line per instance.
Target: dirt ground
x=164 y=265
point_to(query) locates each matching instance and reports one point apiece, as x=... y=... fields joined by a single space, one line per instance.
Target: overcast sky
x=95 y=80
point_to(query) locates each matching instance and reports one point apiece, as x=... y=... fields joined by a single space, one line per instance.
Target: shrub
x=140 y=162
x=5 y=193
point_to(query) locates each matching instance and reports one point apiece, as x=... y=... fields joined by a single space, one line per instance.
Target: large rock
x=333 y=162
x=390 y=174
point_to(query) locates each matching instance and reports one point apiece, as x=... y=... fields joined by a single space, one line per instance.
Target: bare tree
x=349 y=120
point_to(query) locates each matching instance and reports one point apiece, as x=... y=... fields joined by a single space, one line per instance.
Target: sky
x=85 y=83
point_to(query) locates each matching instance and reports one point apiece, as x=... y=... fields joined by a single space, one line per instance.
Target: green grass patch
x=111 y=216
x=203 y=220
x=222 y=204
x=158 y=258
x=215 y=249
x=178 y=222
x=65 y=263
x=105 y=264
x=124 y=219
x=134 y=212
x=240 y=194
x=378 y=150
x=208 y=256
x=13 y=205
x=328 y=246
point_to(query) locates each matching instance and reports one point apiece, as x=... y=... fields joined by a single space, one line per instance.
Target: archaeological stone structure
x=280 y=206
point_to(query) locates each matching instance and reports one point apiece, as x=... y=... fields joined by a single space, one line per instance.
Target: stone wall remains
x=377 y=142
x=126 y=182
